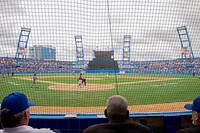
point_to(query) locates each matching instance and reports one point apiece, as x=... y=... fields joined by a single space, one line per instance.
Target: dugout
x=161 y=122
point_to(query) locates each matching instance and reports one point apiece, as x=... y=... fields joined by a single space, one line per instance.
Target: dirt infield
x=89 y=87
x=165 y=107
x=152 y=108
x=74 y=87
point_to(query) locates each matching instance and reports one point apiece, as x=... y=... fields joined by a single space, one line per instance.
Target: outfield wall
x=103 y=71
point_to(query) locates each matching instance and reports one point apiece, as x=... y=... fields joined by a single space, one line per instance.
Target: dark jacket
x=190 y=130
x=117 y=127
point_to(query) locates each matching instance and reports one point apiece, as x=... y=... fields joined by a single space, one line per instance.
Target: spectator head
x=15 y=110
x=195 y=107
x=116 y=108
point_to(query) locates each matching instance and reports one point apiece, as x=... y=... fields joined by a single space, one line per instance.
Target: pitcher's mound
x=75 y=87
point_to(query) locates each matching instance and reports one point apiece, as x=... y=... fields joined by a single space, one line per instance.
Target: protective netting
x=148 y=52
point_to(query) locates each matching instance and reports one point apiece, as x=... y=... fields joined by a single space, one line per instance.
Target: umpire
x=84 y=81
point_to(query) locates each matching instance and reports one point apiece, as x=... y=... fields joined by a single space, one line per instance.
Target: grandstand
x=102 y=65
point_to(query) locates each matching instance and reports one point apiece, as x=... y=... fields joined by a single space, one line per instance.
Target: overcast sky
x=151 y=24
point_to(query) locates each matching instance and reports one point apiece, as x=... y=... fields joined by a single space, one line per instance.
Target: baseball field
x=59 y=93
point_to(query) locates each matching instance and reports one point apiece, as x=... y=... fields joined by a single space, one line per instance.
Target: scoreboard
x=104 y=54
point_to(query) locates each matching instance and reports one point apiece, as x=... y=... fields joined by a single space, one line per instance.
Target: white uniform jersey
x=25 y=129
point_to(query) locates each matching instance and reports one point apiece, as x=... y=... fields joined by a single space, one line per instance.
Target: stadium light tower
x=22 y=42
x=186 y=47
x=126 y=49
x=79 y=49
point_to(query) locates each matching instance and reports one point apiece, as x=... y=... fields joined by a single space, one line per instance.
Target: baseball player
x=83 y=81
x=118 y=75
x=80 y=80
x=34 y=80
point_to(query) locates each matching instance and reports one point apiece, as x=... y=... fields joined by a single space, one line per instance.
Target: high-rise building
x=42 y=52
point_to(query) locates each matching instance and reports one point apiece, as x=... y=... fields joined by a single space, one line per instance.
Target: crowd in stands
x=165 y=66
x=177 y=66
x=32 y=66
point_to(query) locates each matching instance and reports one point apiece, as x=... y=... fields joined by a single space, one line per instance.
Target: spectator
x=117 y=113
x=143 y=121
x=15 y=113
x=195 y=107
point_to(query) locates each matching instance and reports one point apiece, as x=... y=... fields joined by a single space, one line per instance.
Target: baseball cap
x=16 y=102
x=195 y=105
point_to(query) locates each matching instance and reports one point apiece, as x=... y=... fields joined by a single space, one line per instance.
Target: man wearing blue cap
x=15 y=113
x=195 y=107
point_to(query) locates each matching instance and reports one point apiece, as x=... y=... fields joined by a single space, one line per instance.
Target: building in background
x=42 y=52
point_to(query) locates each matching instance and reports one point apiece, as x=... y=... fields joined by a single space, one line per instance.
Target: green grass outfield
x=182 y=90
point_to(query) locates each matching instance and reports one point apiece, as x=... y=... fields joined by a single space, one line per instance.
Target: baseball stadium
x=68 y=57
